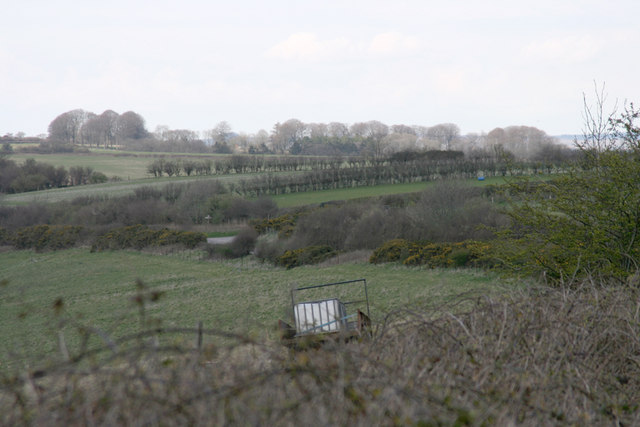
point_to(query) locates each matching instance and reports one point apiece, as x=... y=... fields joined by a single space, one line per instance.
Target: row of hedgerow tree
x=243 y=164
x=33 y=176
x=408 y=164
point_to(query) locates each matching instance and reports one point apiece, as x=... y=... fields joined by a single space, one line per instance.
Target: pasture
x=243 y=295
x=108 y=189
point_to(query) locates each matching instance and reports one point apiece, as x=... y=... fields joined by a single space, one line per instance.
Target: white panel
x=319 y=316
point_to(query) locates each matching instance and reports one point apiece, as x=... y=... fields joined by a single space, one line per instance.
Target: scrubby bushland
x=184 y=205
x=535 y=357
x=447 y=212
x=585 y=222
x=444 y=214
x=452 y=211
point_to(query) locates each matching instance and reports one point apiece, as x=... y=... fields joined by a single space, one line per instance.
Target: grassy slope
x=120 y=188
x=240 y=295
x=128 y=165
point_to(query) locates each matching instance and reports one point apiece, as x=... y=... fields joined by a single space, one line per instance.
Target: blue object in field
x=481 y=178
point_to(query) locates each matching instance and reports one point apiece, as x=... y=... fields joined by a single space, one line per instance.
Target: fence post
x=199 y=337
x=63 y=346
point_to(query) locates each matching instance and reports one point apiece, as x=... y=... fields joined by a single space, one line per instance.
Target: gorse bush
x=140 y=236
x=46 y=237
x=4 y=237
x=307 y=255
x=283 y=224
x=396 y=250
x=435 y=255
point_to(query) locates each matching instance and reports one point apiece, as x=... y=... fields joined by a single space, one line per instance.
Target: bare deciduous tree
x=66 y=127
x=130 y=125
x=286 y=134
x=598 y=132
x=403 y=129
x=445 y=133
x=338 y=130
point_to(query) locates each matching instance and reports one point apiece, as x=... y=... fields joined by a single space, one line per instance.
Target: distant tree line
x=370 y=139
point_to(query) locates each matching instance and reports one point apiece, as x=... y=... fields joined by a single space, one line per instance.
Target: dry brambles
x=542 y=357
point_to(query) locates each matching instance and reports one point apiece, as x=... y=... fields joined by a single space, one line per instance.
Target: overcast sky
x=190 y=64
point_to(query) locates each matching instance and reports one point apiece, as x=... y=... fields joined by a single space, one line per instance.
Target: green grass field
x=308 y=198
x=240 y=296
x=119 y=188
x=284 y=200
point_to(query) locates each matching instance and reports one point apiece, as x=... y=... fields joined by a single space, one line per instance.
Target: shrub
x=329 y=225
x=190 y=239
x=393 y=251
x=435 y=255
x=307 y=255
x=243 y=242
x=283 y=225
x=5 y=237
x=268 y=247
x=585 y=222
x=140 y=236
x=97 y=178
x=432 y=255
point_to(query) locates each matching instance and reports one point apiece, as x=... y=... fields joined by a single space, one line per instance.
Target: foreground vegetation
x=535 y=357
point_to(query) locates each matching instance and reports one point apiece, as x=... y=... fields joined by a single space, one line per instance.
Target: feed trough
x=331 y=310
